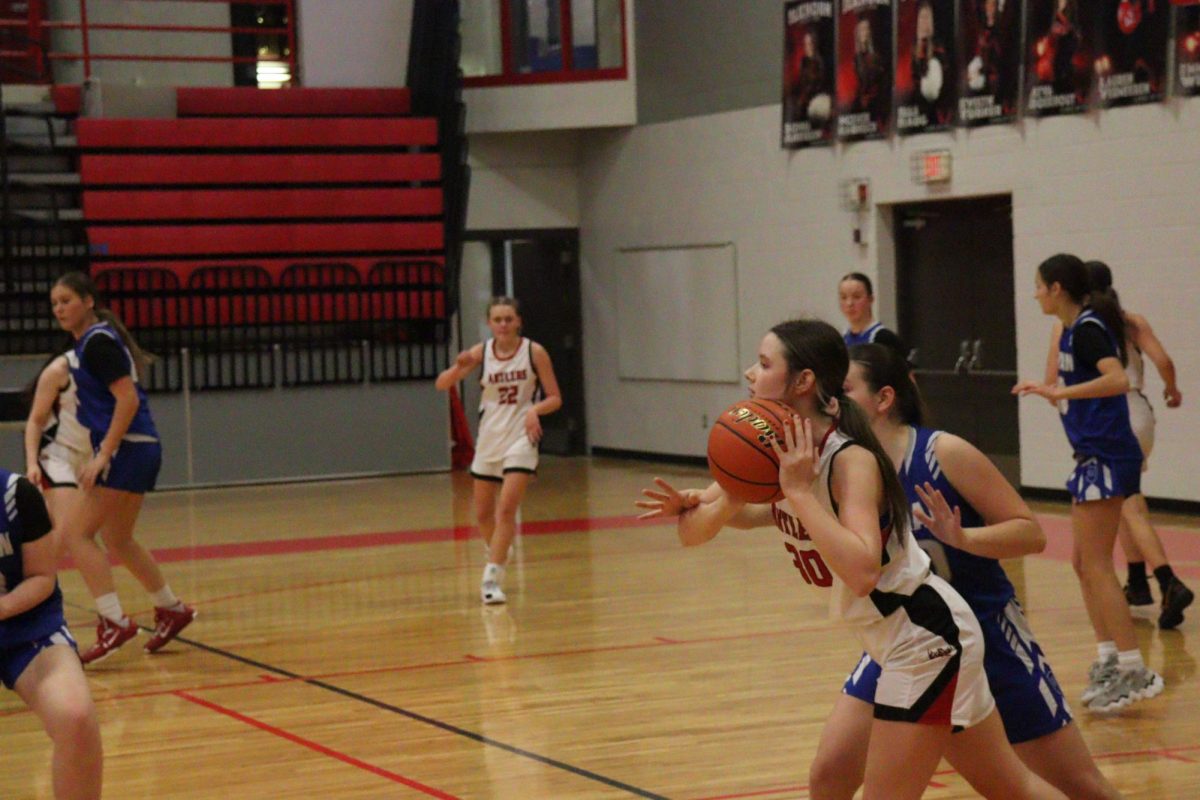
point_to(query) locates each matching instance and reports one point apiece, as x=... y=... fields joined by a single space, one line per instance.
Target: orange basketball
x=740 y=457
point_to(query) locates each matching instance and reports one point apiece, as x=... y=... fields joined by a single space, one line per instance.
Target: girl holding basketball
x=845 y=513
x=966 y=516
x=506 y=449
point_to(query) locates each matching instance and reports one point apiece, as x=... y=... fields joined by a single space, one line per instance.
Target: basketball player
x=845 y=513
x=37 y=654
x=57 y=446
x=105 y=365
x=506 y=448
x=966 y=516
x=1136 y=533
x=1095 y=414
x=857 y=300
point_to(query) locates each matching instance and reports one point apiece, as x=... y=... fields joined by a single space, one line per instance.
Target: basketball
x=740 y=457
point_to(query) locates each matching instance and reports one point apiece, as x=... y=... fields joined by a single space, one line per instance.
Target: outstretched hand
x=1045 y=390
x=799 y=464
x=668 y=502
x=942 y=521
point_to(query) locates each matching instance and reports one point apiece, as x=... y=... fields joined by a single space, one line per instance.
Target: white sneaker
x=1127 y=686
x=1099 y=674
x=491 y=593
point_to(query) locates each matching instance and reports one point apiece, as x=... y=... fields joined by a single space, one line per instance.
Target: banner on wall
x=925 y=85
x=1059 y=51
x=1131 y=51
x=864 y=72
x=1187 y=50
x=990 y=61
x=808 y=73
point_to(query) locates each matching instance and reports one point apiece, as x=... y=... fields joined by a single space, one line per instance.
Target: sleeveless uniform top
x=981 y=581
x=47 y=616
x=64 y=427
x=905 y=565
x=867 y=336
x=96 y=402
x=1096 y=426
x=509 y=385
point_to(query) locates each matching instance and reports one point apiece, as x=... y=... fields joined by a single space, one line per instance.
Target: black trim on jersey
x=829 y=478
x=491 y=478
x=525 y=470
x=104 y=357
x=928 y=609
x=32 y=517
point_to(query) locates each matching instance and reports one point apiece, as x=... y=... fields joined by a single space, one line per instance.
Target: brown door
x=955 y=282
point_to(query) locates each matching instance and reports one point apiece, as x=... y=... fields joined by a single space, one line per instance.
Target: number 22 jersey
x=509 y=386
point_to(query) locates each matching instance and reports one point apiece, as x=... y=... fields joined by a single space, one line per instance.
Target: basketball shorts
x=134 y=467
x=61 y=466
x=1141 y=419
x=931 y=671
x=15 y=660
x=521 y=455
x=1095 y=478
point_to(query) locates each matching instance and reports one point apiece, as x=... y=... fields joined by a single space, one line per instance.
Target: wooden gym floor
x=342 y=652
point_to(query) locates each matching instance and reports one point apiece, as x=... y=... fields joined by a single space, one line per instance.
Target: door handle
x=976 y=360
x=964 y=355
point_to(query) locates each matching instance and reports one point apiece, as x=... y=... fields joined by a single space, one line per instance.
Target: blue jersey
x=96 y=401
x=46 y=617
x=1096 y=426
x=865 y=337
x=981 y=581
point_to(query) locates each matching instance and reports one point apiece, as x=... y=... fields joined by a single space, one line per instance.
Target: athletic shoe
x=109 y=636
x=1139 y=596
x=491 y=593
x=1127 y=686
x=1099 y=674
x=168 y=622
x=1176 y=598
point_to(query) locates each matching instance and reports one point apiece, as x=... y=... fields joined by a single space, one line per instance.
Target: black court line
x=413 y=715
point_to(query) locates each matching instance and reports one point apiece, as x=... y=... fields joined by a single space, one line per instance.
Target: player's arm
x=49 y=385
x=701 y=513
x=1152 y=348
x=1009 y=529
x=545 y=372
x=38 y=554
x=466 y=361
x=1052 y=354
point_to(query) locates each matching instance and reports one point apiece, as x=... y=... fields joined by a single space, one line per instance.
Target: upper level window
x=542 y=41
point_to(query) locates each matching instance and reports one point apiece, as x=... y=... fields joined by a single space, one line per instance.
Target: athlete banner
x=864 y=71
x=925 y=88
x=808 y=73
x=989 y=61
x=1131 y=50
x=1187 y=49
x=1059 y=52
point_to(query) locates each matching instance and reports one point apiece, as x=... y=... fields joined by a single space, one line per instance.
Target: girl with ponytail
x=845 y=514
x=106 y=366
x=1090 y=396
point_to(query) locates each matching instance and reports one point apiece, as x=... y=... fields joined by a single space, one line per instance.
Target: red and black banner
x=1059 y=52
x=1131 y=50
x=864 y=72
x=926 y=87
x=808 y=73
x=1187 y=49
x=990 y=61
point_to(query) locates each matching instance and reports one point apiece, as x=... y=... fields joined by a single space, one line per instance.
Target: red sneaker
x=168 y=622
x=109 y=636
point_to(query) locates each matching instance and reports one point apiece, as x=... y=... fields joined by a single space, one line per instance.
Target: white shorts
x=933 y=671
x=520 y=456
x=61 y=465
x=1141 y=419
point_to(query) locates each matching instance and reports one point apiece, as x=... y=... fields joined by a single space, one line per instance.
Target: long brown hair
x=1071 y=274
x=816 y=345
x=83 y=286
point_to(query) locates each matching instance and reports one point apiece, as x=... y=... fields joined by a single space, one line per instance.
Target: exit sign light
x=931 y=166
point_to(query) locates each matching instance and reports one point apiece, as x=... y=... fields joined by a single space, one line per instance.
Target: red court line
x=320 y=748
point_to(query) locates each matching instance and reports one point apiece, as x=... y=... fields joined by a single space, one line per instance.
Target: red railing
x=39 y=27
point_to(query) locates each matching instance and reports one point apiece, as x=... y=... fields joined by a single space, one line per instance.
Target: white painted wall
x=527 y=180
x=354 y=42
x=1119 y=185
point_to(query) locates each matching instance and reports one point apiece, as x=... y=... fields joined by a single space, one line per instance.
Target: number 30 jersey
x=981 y=581
x=509 y=386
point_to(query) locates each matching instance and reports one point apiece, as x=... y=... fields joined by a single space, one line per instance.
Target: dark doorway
x=954 y=271
x=541 y=270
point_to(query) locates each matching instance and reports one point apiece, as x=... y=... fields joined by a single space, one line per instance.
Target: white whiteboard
x=677 y=313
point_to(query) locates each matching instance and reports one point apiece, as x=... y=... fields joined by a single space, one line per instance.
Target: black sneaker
x=1176 y=598
x=1139 y=596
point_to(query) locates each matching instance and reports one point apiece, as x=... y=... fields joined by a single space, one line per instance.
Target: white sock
x=1129 y=660
x=1107 y=650
x=165 y=598
x=493 y=572
x=109 y=607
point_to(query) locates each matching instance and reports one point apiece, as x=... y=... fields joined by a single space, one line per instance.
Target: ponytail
x=1107 y=304
x=853 y=422
x=1076 y=279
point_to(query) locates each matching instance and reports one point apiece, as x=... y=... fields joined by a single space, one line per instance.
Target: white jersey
x=1135 y=367
x=64 y=427
x=509 y=385
x=905 y=564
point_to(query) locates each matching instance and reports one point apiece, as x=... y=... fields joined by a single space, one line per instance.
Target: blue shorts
x=1028 y=697
x=1095 y=478
x=14 y=660
x=133 y=468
